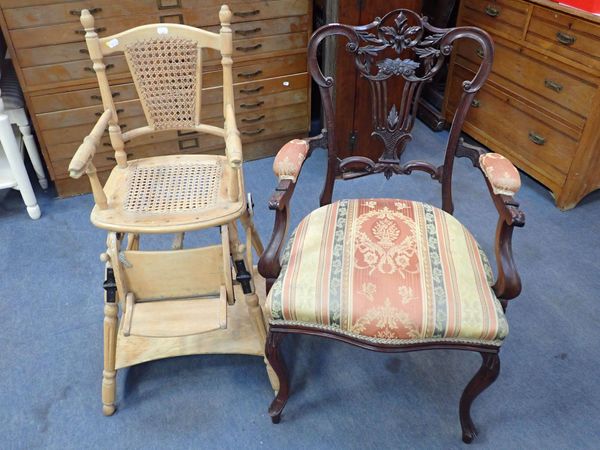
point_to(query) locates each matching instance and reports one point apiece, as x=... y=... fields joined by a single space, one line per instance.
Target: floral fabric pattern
x=387 y=269
x=501 y=173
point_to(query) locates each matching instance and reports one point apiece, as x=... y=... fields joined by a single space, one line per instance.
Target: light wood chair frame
x=234 y=330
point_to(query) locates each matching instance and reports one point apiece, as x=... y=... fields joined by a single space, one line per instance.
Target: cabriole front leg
x=487 y=374
x=273 y=355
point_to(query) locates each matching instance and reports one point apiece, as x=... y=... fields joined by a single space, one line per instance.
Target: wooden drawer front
x=249 y=120
x=502 y=16
x=122 y=92
x=533 y=72
x=565 y=35
x=43 y=77
x=133 y=108
x=530 y=139
x=197 y=12
x=190 y=143
x=74 y=51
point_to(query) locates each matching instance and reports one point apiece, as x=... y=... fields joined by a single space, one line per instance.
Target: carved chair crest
x=401 y=44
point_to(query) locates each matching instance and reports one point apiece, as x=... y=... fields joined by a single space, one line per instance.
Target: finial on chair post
x=87 y=20
x=225 y=16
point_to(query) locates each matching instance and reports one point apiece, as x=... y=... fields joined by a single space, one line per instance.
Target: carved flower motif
x=398 y=66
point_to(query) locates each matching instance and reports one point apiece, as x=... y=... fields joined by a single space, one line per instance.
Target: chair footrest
x=181 y=317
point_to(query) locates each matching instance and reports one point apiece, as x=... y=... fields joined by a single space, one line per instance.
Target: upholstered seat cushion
x=387 y=271
x=11 y=92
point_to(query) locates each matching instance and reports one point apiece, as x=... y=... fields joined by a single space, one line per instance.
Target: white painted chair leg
x=34 y=154
x=17 y=166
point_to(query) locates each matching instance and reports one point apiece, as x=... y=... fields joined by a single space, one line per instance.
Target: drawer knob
x=254 y=12
x=491 y=11
x=77 y=12
x=479 y=52
x=475 y=103
x=564 y=38
x=253 y=132
x=252 y=105
x=251 y=91
x=556 y=87
x=249 y=48
x=84 y=51
x=250 y=74
x=97 y=30
x=536 y=138
x=253 y=119
x=248 y=32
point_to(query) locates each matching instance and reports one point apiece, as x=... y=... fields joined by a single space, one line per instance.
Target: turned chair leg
x=487 y=374
x=109 y=385
x=276 y=361
x=34 y=154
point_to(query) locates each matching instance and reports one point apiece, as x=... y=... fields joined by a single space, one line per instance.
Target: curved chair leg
x=485 y=376
x=274 y=357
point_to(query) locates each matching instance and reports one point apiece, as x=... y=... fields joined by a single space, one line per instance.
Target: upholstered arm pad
x=289 y=159
x=501 y=173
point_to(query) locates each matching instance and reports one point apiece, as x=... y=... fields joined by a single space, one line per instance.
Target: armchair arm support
x=233 y=143
x=86 y=151
x=503 y=182
x=295 y=151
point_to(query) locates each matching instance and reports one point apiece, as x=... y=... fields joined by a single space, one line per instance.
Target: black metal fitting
x=110 y=286
x=243 y=276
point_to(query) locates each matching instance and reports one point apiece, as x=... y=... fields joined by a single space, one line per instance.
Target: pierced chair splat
x=181 y=301
x=387 y=274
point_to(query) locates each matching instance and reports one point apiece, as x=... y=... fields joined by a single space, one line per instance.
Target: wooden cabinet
x=47 y=45
x=539 y=107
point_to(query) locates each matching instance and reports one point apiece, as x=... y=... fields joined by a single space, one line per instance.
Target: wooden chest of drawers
x=46 y=43
x=541 y=105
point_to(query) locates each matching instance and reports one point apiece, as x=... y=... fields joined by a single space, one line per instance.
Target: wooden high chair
x=182 y=301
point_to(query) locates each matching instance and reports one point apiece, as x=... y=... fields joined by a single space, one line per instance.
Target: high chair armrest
x=233 y=143
x=86 y=151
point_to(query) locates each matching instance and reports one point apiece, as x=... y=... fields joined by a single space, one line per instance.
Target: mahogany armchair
x=392 y=275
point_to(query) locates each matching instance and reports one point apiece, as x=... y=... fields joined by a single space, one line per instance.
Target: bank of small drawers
x=271 y=83
x=541 y=99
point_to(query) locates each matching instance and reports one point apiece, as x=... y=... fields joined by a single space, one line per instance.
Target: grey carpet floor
x=547 y=395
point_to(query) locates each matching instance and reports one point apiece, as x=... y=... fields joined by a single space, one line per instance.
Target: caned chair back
x=165 y=61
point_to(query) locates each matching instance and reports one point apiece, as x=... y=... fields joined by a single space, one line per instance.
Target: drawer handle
x=253 y=119
x=479 y=52
x=564 y=38
x=536 y=138
x=118 y=111
x=252 y=105
x=556 y=87
x=107 y=67
x=247 y=32
x=112 y=158
x=249 y=48
x=253 y=132
x=491 y=11
x=85 y=51
x=97 y=97
x=475 y=103
x=254 y=12
x=251 y=91
x=97 y=30
x=77 y=12
x=250 y=74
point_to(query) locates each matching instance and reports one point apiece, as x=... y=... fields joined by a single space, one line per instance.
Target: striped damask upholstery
x=387 y=271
